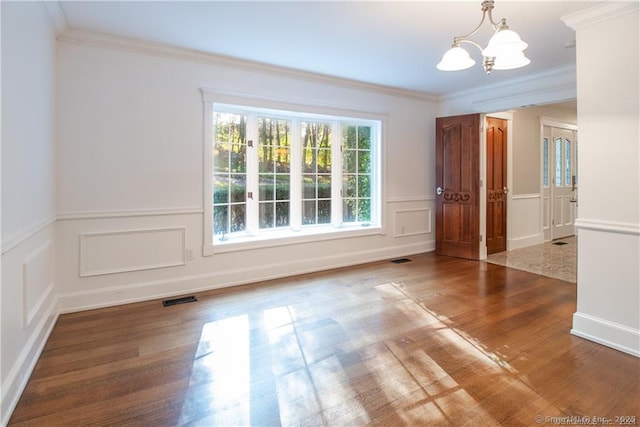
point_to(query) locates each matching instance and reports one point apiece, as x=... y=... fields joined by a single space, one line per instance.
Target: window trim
x=300 y=109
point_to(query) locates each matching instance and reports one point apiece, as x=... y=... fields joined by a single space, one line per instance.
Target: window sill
x=288 y=237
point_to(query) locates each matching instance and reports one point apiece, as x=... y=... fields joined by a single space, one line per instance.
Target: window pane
x=282 y=214
x=558 y=179
x=324 y=211
x=349 y=159
x=364 y=161
x=349 y=186
x=282 y=187
x=220 y=219
x=237 y=218
x=266 y=215
x=349 y=210
x=221 y=189
x=349 y=137
x=308 y=186
x=316 y=139
x=238 y=157
x=545 y=162
x=309 y=212
x=265 y=155
x=364 y=210
x=364 y=186
x=266 y=182
x=283 y=160
x=230 y=127
x=237 y=188
x=567 y=163
x=221 y=152
x=364 y=137
x=324 y=187
x=324 y=161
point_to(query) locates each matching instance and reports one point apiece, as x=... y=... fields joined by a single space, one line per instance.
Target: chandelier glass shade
x=503 y=52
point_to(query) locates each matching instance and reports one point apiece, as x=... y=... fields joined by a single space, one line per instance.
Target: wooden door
x=496 y=137
x=458 y=186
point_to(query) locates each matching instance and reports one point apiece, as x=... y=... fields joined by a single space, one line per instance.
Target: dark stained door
x=458 y=186
x=496 y=136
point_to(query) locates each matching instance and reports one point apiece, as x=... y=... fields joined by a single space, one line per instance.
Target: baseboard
x=21 y=370
x=144 y=291
x=610 y=334
x=524 y=241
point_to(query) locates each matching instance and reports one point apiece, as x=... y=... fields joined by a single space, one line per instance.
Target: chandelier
x=504 y=51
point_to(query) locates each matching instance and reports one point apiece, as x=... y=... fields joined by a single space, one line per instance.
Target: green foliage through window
x=258 y=184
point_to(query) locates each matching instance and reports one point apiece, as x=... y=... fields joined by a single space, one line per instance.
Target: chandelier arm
x=458 y=40
x=484 y=15
x=495 y=25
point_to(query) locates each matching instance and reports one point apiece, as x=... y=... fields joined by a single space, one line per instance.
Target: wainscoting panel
x=525 y=222
x=412 y=222
x=131 y=250
x=37 y=281
x=546 y=213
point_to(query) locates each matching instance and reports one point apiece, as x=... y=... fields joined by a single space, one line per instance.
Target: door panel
x=496 y=137
x=559 y=175
x=458 y=181
x=562 y=184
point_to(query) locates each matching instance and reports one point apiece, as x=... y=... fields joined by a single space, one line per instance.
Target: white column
x=608 y=224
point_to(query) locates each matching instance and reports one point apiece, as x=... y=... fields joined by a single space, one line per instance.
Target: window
x=545 y=162
x=277 y=175
x=558 y=159
x=567 y=162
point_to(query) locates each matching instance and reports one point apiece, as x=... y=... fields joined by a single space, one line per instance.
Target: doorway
x=559 y=181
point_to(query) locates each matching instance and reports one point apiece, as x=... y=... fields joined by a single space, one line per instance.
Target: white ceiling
x=393 y=43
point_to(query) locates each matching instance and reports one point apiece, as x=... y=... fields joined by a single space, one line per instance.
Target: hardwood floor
x=435 y=341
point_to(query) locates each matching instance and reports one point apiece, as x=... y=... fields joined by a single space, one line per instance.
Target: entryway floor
x=548 y=259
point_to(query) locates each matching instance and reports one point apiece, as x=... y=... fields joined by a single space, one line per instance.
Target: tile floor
x=547 y=259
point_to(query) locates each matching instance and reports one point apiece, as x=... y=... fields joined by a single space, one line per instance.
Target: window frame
x=301 y=110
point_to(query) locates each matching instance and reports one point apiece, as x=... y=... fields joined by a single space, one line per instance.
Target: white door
x=559 y=182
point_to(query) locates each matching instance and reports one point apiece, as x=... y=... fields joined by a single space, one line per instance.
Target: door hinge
x=250 y=195
x=250 y=143
x=481 y=236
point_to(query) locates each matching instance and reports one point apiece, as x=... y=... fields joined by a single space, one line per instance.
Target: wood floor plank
x=435 y=341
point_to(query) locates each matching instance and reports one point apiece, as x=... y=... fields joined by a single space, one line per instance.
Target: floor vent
x=400 y=260
x=560 y=243
x=168 y=302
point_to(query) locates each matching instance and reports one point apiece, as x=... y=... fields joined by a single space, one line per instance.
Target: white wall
x=130 y=144
x=608 y=165
x=28 y=193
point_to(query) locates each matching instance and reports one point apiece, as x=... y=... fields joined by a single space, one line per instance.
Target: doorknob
x=439 y=191
x=505 y=190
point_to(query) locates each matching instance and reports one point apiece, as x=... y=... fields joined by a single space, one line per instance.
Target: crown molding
x=599 y=13
x=55 y=15
x=554 y=85
x=110 y=41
